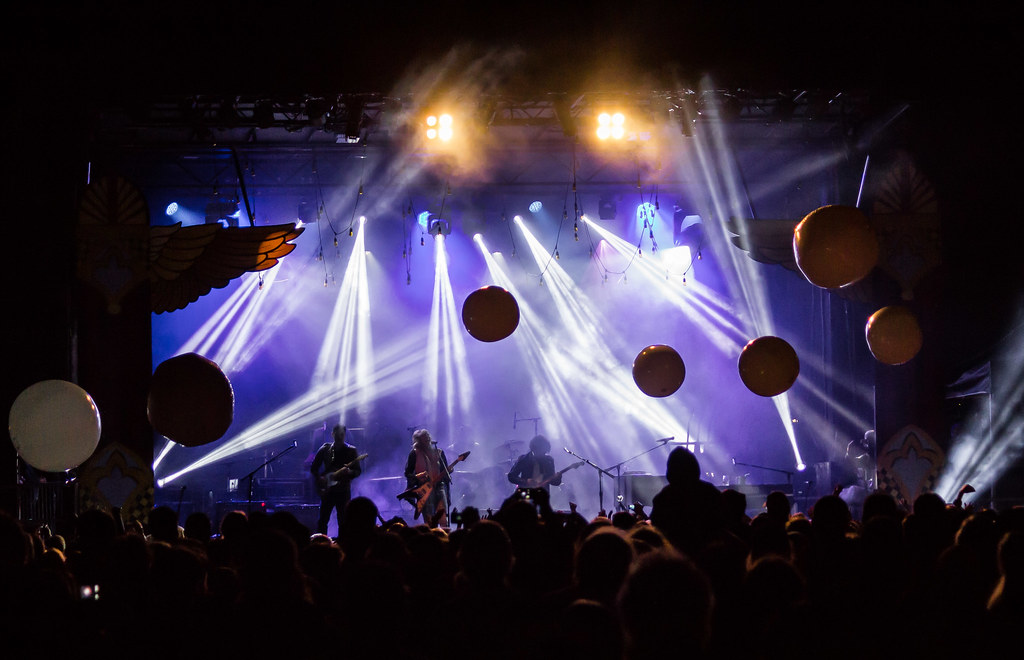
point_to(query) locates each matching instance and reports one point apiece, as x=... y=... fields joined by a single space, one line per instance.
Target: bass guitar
x=328 y=481
x=417 y=495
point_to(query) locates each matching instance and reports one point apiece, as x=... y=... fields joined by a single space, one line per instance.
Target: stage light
x=444 y=131
x=535 y=207
x=611 y=126
x=645 y=214
x=439 y=227
x=172 y=208
x=440 y=127
x=423 y=219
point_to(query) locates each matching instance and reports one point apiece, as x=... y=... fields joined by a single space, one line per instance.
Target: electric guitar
x=555 y=476
x=328 y=481
x=421 y=492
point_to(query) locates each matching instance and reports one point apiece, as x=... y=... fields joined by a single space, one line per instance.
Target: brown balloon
x=490 y=314
x=190 y=400
x=893 y=335
x=658 y=370
x=768 y=366
x=835 y=246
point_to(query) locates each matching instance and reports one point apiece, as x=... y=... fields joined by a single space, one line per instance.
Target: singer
x=334 y=467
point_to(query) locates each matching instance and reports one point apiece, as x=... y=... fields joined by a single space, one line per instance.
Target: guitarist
x=535 y=468
x=427 y=464
x=334 y=467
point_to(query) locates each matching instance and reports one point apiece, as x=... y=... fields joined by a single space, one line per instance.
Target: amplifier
x=642 y=488
x=282 y=490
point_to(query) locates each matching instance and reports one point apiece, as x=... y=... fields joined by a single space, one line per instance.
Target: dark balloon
x=190 y=400
x=835 y=246
x=490 y=314
x=658 y=370
x=768 y=366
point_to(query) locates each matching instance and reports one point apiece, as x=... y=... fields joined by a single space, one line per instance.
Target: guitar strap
x=537 y=475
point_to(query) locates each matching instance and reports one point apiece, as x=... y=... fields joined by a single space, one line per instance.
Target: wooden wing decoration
x=771 y=242
x=118 y=251
x=187 y=262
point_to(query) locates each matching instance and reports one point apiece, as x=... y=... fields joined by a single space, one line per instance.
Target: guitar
x=421 y=492
x=325 y=482
x=556 y=475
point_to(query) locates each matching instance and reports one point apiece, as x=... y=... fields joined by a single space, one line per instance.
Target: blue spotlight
x=646 y=212
x=423 y=219
x=535 y=207
x=172 y=208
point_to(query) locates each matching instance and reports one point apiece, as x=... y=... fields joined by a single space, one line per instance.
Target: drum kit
x=489 y=486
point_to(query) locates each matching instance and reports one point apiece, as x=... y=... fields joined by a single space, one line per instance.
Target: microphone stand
x=618 y=466
x=789 y=475
x=600 y=473
x=516 y=419
x=273 y=457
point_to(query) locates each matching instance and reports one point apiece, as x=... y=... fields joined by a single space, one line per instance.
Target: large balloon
x=835 y=246
x=54 y=425
x=658 y=370
x=768 y=366
x=490 y=313
x=190 y=400
x=893 y=335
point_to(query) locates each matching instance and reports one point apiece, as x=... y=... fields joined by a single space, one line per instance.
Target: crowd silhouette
x=699 y=579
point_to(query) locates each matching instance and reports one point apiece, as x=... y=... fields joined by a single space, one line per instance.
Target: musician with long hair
x=334 y=467
x=427 y=465
x=535 y=468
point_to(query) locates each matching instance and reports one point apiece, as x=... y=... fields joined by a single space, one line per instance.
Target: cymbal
x=510 y=444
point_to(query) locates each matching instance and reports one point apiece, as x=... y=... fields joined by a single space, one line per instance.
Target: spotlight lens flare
x=431 y=133
x=431 y=120
x=445 y=121
x=618 y=119
x=604 y=119
x=535 y=207
x=172 y=208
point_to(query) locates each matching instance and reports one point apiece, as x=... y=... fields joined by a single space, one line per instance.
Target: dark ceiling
x=67 y=68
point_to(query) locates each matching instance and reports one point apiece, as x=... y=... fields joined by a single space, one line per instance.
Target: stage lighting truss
x=439 y=127
x=224 y=212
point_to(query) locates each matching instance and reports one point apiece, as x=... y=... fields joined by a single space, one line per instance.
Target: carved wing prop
x=771 y=242
x=187 y=262
x=766 y=241
x=118 y=251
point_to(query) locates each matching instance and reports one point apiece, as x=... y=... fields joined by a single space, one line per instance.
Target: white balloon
x=54 y=425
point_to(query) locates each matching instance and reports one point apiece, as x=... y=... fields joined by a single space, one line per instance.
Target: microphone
x=664 y=440
x=566 y=450
x=295 y=443
x=734 y=461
